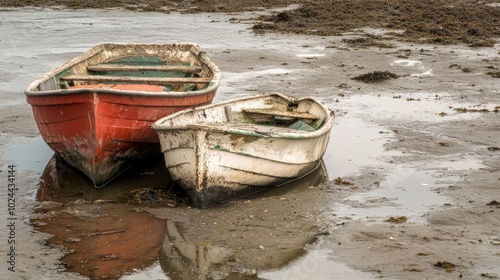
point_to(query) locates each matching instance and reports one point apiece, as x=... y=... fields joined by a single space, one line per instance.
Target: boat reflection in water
x=109 y=236
x=181 y=258
x=106 y=235
x=62 y=183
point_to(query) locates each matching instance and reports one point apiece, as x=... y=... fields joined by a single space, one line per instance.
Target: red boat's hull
x=101 y=134
x=96 y=110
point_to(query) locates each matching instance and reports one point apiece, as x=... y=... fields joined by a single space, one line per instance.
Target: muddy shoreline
x=436 y=124
x=474 y=23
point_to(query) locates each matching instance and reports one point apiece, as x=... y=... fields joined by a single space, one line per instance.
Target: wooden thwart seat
x=125 y=68
x=145 y=80
x=288 y=114
x=247 y=128
x=261 y=129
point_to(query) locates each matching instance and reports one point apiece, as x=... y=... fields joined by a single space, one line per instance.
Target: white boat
x=238 y=147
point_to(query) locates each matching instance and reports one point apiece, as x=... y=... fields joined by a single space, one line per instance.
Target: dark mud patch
x=376 y=77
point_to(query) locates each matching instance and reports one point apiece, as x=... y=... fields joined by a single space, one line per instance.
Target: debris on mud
x=109 y=257
x=465 y=110
x=397 y=220
x=489 y=275
x=448 y=266
x=464 y=69
x=148 y=196
x=340 y=181
x=365 y=42
x=493 y=203
x=376 y=77
x=495 y=74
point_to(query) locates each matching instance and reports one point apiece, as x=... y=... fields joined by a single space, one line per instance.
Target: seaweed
x=376 y=77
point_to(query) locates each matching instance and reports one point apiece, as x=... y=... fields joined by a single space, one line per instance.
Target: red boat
x=96 y=110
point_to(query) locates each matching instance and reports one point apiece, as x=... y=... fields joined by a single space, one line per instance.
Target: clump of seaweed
x=448 y=266
x=397 y=220
x=365 y=42
x=494 y=74
x=340 y=181
x=376 y=77
x=466 y=110
x=446 y=21
x=158 y=196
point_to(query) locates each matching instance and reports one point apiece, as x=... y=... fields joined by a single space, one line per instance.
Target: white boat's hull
x=214 y=165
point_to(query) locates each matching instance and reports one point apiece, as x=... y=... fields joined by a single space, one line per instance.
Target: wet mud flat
x=409 y=189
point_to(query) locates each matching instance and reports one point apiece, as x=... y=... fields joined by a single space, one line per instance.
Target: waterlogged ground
x=408 y=188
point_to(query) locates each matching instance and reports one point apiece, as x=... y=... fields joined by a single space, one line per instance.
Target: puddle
x=65 y=184
x=407 y=63
x=405 y=192
x=423 y=74
x=315 y=178
x=318 y=264
x=102 y=240
x=181 y=259
x=231 y=78
x=427 y=107
x=154 y=272
x=102 y=230
x=310 y=55
x=28 y=153
x=469 y=164
x=353 y=144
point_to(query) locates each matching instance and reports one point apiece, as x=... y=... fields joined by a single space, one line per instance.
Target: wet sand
x=421 y=149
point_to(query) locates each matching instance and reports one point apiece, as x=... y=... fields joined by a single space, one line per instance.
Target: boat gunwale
x=324 y=129
x=63 y=92
x=213 y=84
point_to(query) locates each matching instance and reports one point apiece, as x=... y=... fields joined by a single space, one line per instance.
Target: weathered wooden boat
x=96 y=110
x=238 y=147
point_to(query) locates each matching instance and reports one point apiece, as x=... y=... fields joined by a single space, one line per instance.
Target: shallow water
x=318 y=264
x=404 y=192
x=355 y=144
x=28 y=153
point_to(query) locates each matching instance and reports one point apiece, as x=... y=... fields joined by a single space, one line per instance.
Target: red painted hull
x=102 y=130
x=101 y=134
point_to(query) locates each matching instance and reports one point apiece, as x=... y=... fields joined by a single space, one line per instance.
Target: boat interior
x=276 y=115
x=143 y=73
